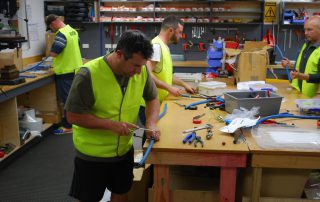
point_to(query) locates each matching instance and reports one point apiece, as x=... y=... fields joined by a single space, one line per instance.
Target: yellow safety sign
x=270 y=12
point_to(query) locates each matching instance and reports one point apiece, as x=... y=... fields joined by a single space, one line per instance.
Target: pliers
x=189 y=138
x=198 y=140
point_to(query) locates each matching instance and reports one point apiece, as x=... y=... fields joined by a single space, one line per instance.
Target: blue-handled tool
x=197 y=103
x=189 y=138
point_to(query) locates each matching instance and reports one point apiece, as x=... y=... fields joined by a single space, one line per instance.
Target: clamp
x=198 y=140
x=209 y=134
x=189 y=138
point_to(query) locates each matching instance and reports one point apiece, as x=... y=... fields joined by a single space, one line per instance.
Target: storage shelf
x=198 y=23
x=128 y=12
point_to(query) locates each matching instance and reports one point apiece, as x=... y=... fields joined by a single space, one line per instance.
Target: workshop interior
x=250 y=132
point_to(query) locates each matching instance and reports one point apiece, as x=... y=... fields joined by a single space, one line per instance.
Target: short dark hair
x=49 y=19
x=171 y=21
x=134 y=41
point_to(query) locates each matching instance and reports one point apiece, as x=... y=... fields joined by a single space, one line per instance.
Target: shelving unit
x=296 y=30
x=72 y=11
x=311 y=7
x=40 y=94
x=189 y=11
x=111 y=18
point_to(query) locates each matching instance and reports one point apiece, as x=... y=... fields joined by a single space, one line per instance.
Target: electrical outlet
x=85 y=45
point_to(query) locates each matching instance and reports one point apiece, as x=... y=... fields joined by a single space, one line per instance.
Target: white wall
x=36 y=25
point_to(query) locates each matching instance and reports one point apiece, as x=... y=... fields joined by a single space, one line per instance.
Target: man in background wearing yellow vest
x=67 y=57
x=306 y=77
x=161 y=63
x=103 y=105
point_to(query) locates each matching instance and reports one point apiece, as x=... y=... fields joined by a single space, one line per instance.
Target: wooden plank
x=188 y=195
x=256 y=184
x=197 y=159
x=192 y=64
x=48 y=101
x=274 y=199
x=9 y=127
x=161 y=183
x=228 y=180
x=285 y=161
x=31 y=60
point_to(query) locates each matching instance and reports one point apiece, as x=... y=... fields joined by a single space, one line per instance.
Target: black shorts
x=90 y=179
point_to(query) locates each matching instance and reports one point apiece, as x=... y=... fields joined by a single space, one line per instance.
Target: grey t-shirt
x=81 y=97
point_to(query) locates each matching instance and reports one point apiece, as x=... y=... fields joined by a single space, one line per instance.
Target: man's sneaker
x=61 y=131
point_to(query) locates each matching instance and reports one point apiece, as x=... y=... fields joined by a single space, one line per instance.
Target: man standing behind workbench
x=161 y=62
x=306 y=76
x=67 y=57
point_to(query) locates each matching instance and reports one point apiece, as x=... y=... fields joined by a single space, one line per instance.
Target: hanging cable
x=287 y=66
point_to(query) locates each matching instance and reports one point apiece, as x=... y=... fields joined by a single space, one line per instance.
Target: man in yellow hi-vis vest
x=161 y=62
x=306 y=77
x=67 y=57
x=103 y=107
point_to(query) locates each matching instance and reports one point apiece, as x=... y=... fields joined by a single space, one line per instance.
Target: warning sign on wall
x=270 y=12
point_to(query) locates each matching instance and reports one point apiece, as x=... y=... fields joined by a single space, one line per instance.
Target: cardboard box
x=252 y=63
x=47 y=107
x=275 y=182
x=11 y=57
x=49 y=41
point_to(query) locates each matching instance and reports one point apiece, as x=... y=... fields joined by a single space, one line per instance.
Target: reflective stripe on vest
x=165 y=65
x=70 y=57
x=110 y=104
x=308 y=89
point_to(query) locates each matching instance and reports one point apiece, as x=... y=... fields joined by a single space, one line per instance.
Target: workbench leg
x=256 y=184
x=161 y=191
x=228 y=178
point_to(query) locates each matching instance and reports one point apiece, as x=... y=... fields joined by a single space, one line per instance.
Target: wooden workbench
x=219 y=151
x=281 y=158
x=30 y=84
x=171 y=151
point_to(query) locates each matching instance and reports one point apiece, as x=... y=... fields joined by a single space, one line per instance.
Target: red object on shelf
x=1 y=154
x=269 y=38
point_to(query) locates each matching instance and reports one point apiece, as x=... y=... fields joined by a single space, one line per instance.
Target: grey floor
x=43 y=173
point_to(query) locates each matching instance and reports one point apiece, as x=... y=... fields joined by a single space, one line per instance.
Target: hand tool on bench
x=198 y=140
x=189 y=138
x=185 y=107
x=206 y=126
